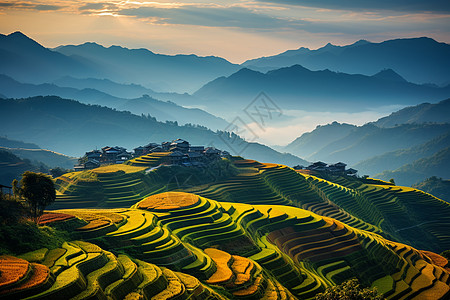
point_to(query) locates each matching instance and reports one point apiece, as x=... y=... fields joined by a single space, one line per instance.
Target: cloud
x=210 y=16
x=441 y=6
x=98 y=6
x=45 y=7
x=30 y=6
x=90 y=6
x=16 y=4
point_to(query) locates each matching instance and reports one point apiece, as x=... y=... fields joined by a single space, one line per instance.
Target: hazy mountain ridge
x=72 y=128
x=367 y=141
x=27 y=60
x=404 y=56
x=297 y=87
x=396 y=159
x=310 y=142
x=420 y=133
x=8 y=143
x=12 y=166
x=423 y=113
x=161 y=110
x=409 y=174
x=354 y=144
x=49 y=158
x=435 y=186
x=178 y=73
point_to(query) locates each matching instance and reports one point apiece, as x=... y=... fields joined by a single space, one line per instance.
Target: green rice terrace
x=178 y=245
x=397 y=213
x=238 y=229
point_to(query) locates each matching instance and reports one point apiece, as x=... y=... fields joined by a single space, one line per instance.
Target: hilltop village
x=180 y=152
x=332 y=169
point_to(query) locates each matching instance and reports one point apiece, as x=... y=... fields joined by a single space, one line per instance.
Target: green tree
x=38 y=191
x=11 y=211
x=349 y=290
x=58 y=171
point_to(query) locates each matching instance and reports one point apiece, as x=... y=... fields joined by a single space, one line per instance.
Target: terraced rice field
x=267 y=233
x=149 y=160
x=89 y=272
x=368 y=204
x=107 y=186
x=184 y=245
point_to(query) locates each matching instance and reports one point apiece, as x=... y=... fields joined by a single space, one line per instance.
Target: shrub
x=349 y=290
x=11 y=210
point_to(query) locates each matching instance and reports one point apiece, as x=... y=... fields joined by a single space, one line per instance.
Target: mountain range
x=72 y=128
x=396 y=146
x=298 y=88
x=179 y=73
x=28 y=61
x=142 y=104
x=418 y=60
x=133 y=80
x=420 y=169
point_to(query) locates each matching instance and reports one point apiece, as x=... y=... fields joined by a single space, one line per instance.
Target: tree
x=58 y=171
x=349 y=290
x=11 y=211
x=38 y=190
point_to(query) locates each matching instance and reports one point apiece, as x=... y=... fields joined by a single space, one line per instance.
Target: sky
x=235 y=29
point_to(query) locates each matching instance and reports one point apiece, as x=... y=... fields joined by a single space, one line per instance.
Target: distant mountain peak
x=20 y=38
x=287 y=70
x=389 y=74
x=329 y=45
x=245 y=72
x=18 y=34
x=361 y=43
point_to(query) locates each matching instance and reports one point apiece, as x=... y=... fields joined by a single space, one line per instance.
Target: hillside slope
x=143 y=104
x=363 y=142
x=247 y=252
x=12 y=166
x=419 y=170
x=396 y=159
x=72 y=128
x=8 y=143
x=423 y=113
x=308 y=143
x=47 y=157
x=394 y=212
x=435 y=186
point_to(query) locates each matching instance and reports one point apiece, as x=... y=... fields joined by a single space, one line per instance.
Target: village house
x=181 y=153
x=176 y=158
x=334 y=169
x=179 y=145
x=318 y=166
x=108 y=155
